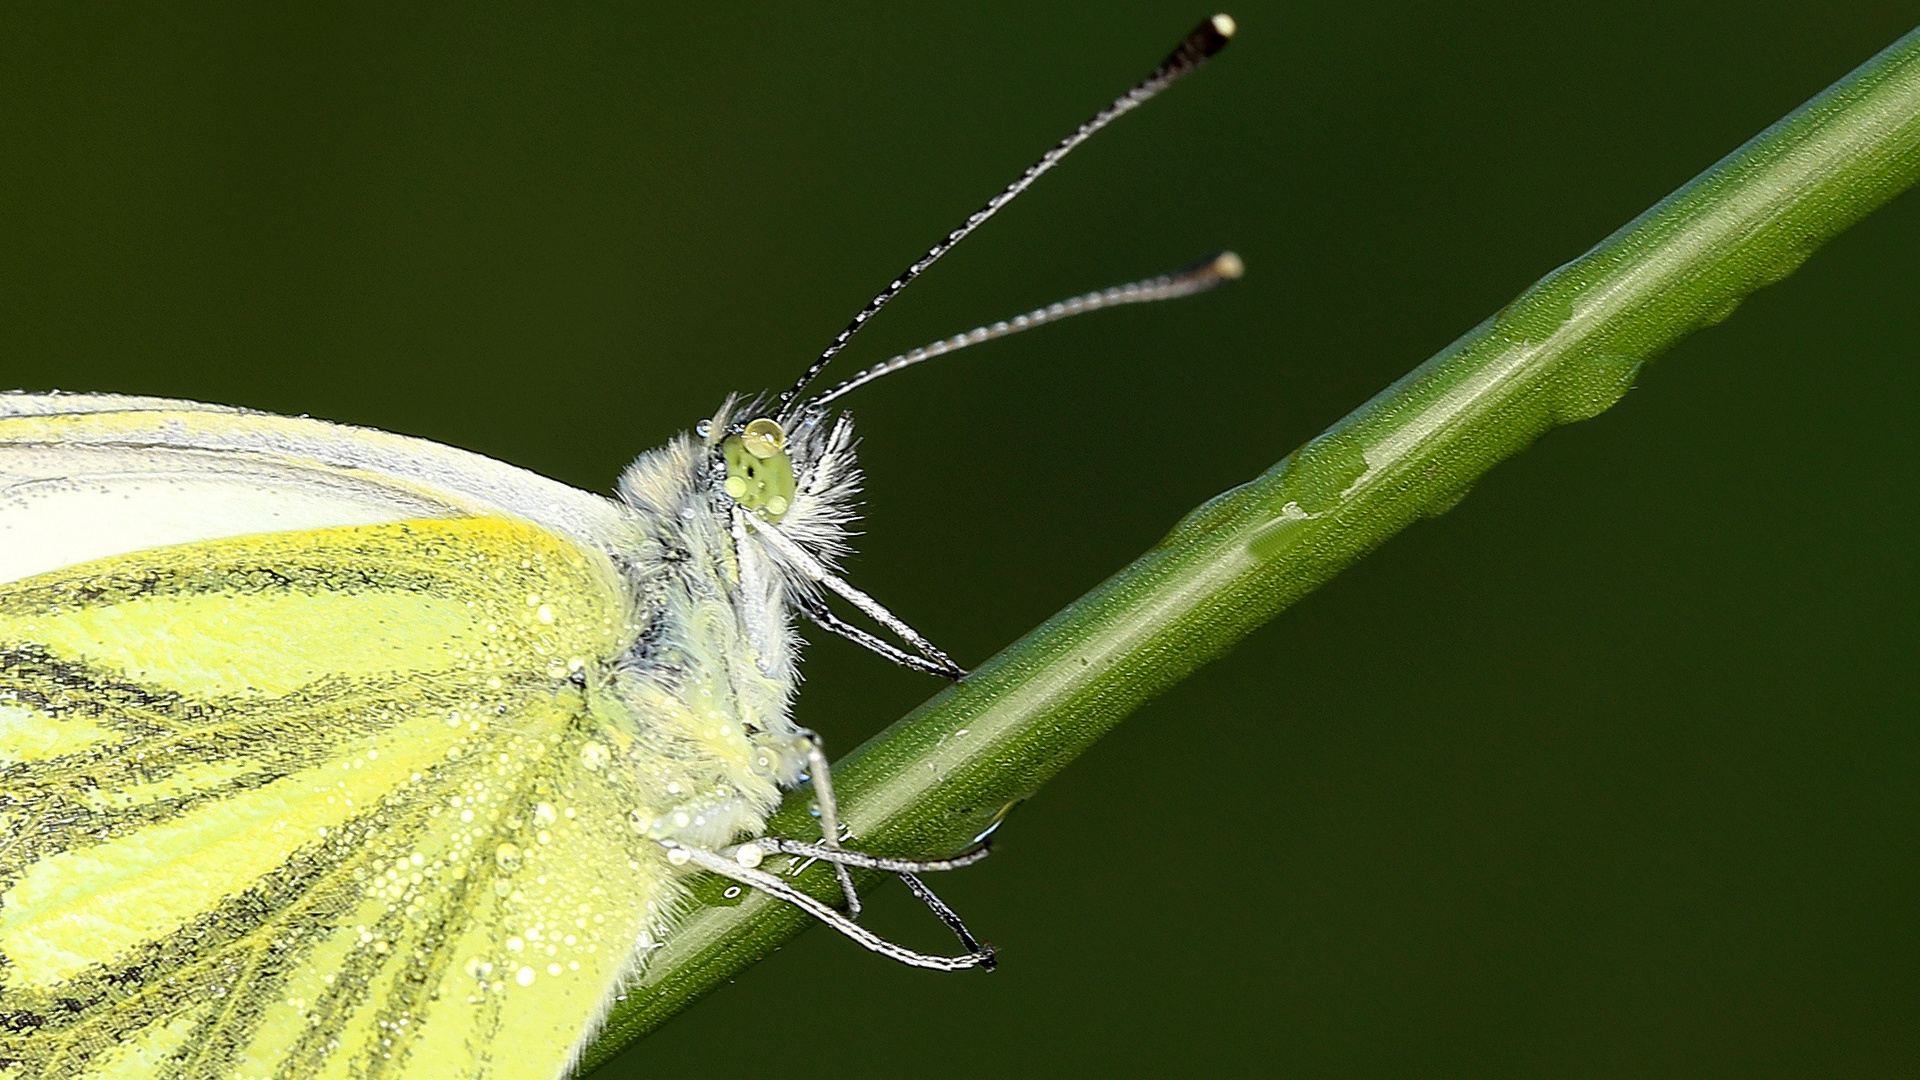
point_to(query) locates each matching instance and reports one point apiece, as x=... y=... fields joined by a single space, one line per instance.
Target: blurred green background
x=1611 y=771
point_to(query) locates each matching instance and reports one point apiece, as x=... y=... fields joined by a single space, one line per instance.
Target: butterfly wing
x=331 y=800
x=316 y=803
x=83 y=476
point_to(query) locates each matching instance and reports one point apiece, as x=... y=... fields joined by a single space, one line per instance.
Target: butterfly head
x=797 y=473
x=759 y=472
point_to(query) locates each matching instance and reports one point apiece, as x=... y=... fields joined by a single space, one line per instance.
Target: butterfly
x=326 y=751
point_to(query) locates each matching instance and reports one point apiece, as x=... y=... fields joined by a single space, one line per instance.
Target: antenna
x=1197 y=278
x=1208 y=38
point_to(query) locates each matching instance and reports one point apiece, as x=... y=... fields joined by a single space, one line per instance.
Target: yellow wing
x=332 y=802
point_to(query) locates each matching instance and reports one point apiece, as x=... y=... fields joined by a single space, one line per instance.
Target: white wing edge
x=86 y=476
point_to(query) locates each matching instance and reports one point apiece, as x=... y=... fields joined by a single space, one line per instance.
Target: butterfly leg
x=777 y=845
x=753 y=851
x=978 y=955
x=818 y=612
x=821 y=772
x=951 y=918
x=800 y=560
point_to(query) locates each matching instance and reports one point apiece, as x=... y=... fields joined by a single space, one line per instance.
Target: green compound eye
x=759 y=472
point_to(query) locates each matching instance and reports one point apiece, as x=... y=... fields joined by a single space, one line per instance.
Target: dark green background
x=1611 y=771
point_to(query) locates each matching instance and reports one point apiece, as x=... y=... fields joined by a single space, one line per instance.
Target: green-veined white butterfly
x=325 y=751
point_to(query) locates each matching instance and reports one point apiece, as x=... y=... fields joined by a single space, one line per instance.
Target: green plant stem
x=1565 y=350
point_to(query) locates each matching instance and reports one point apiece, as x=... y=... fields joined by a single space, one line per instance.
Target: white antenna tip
x=1224 y=25
x=1229 y=266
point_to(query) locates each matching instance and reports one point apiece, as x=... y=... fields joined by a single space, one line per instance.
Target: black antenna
x=1208 y=38
x=1198 y=278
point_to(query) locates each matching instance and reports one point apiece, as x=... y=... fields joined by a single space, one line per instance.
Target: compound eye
x=764 y=438
x=759 y=472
